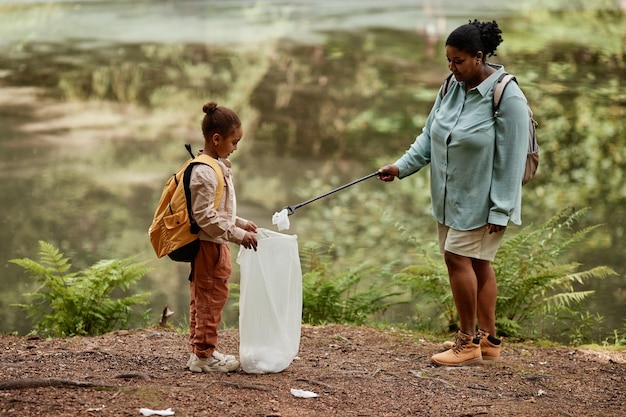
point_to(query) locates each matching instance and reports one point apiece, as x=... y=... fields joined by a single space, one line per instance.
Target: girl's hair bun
x=220 y=120
x=209 y=108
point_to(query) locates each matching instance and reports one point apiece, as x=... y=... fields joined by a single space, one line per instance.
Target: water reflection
x=94 y=120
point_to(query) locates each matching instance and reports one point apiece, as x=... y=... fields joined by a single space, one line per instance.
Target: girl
x=211 y=268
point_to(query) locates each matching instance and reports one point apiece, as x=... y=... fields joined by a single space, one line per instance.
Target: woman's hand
x=494 y=228
x=388 y=173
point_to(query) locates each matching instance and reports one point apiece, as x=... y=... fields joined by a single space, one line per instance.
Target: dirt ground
x=355 y=371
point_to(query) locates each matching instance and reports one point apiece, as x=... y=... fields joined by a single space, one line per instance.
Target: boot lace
x=460 y=342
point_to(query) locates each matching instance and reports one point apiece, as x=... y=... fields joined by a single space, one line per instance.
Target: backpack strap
x=219 y=191
x=498 y=91
x=212 y=162
x=446 y=85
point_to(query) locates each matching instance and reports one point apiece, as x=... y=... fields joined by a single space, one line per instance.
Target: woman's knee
x=452 y=259
x=483 y=268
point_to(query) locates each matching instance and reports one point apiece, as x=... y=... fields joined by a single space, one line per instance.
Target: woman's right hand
x=388 y=173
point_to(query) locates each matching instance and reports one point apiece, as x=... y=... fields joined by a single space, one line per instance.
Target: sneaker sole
x=208 y=369
x=212 y=370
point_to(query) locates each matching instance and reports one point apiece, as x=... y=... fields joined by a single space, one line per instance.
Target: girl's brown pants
x=208 y=292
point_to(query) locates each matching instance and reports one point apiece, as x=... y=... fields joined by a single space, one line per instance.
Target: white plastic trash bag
x=270 y=303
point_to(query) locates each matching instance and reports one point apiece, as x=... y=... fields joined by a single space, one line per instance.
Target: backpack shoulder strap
x=446 y=85
x=219 y=191
x=207 y=160
x=498 y=91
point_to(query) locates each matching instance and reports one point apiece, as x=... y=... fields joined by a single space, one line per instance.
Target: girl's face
x=224 y=146
x=463 y=65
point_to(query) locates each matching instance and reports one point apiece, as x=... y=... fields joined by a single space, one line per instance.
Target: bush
x=340 y=298
x=533 y=283
x=79 y=303
x=536 y=290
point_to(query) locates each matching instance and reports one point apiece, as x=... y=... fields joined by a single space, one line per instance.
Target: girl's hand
x=249 y=241
x=251 y=227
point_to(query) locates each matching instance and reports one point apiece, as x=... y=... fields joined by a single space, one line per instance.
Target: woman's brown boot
x=465 y=351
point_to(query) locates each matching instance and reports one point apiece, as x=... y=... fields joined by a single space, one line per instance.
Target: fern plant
x=532 y=281
x=533 y=285
x=429 y=285
x=79 y=303
x=340 y=298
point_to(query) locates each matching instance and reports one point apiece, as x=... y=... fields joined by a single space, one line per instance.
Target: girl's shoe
x=217 y=362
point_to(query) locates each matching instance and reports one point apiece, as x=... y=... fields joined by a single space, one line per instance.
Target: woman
x=476 y=165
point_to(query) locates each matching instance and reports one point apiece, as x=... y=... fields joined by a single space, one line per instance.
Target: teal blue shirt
x=476 y=161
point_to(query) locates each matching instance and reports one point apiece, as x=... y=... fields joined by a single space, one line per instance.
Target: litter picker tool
x=292 y=209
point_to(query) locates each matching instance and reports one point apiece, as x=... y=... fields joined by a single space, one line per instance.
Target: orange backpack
x=174 y=232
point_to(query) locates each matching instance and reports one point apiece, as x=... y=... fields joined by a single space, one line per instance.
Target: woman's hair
x=476 y=36
x=221 y=120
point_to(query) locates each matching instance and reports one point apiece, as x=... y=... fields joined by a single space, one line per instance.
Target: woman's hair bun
x=209 y=108
x=490 y=35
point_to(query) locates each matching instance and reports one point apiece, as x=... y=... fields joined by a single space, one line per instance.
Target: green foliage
x=536 y=291
x=617 y=338
x=338 y=298
x=79 y=303
x=429 y=284
x=532 y=281
x=580 y=327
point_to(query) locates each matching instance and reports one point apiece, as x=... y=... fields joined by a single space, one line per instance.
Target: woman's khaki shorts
x=477 y=243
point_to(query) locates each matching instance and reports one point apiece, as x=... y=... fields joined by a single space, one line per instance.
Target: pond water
x=98 y=98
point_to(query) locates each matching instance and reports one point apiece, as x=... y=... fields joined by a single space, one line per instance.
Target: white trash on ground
x=303 y=394
x=149 y=412
x=270 y=303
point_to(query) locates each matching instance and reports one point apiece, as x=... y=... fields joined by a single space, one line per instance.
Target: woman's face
x=463 y=65
x=227 y=145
